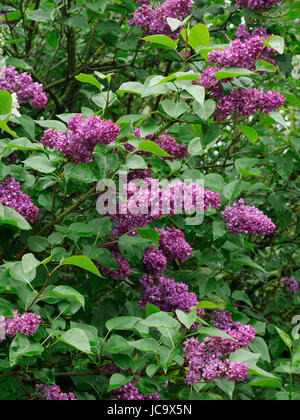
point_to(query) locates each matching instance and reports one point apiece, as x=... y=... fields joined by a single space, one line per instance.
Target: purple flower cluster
x=154 y=261
x=242 y=52
x=256 y=4
x=26 y=324
x=238 y=53
x=248 y=101
x=12 y=196
x=147 y=201
x=243 y=34
x=207 y=360
x=122 y=273
x=166 y=294
x=130 y=392
x=53 y=393
x=155 y=21
x=23 y=86
x=206 y=366
x=79 y=142
x=291 y=284
x=173 y=245
x=241 y=218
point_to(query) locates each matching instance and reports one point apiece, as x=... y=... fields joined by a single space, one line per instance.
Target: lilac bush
x=149 y=202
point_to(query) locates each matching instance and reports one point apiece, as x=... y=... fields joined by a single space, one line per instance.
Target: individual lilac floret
x=23 y=86
x=154 y=261
x=122 y=273
x=12 y=196
x=291 y=284
x=79 y=142
x=256 y=4
x=241 y=218
x=130 y=392
x=26 y=324
x=206 y=366
x=53 y=393
x=154 y=21
x=173 y=245
x=166 y=294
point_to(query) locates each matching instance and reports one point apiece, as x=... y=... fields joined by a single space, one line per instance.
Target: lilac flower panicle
x=291 y=284
x=256 y=4
x=154 y=261
x=130 y=392
x=53 y=393
x=79 y=142
x=26 y=324
x=173 y=245
x=167 y=295
x=241 y=218
x=12 y=196
x=154 y=21
x=148 y=202
x=23 y=86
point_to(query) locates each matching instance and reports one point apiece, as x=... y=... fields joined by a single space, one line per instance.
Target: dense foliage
x=149 y=200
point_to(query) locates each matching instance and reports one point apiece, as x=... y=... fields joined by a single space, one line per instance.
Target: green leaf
x=41 y=15
x=219 y=229
x=40 y=163
x=145 y=345
x=76 y=338
x=241 y=296
x=285 y=338
x=29 y=263
x=81 y=172
x=162 y=41
x=266 y=382
x=232 y=72
x=208 y=305
x=195 y=147
x=122 y=323
x=82 y=262
x=5 y=105
x=206 y=110
x=117 y=380
x=276 y=42
x=69 y=293
x=187 y=319
x=276 y=116
x=249 y=132
x=152 y=147
x=9 y=216
x=214 y=332
x=22 y=347
x=88 y=78
x=161 y=319
x=198 y=93
x=136 y=162
x=247 y=261
x=97 y=6
x=38 y=243
x=174 y=110
x=57 y=125
x=265 y=66
x=131 y=87
x=132 y=247
x=199 y=36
